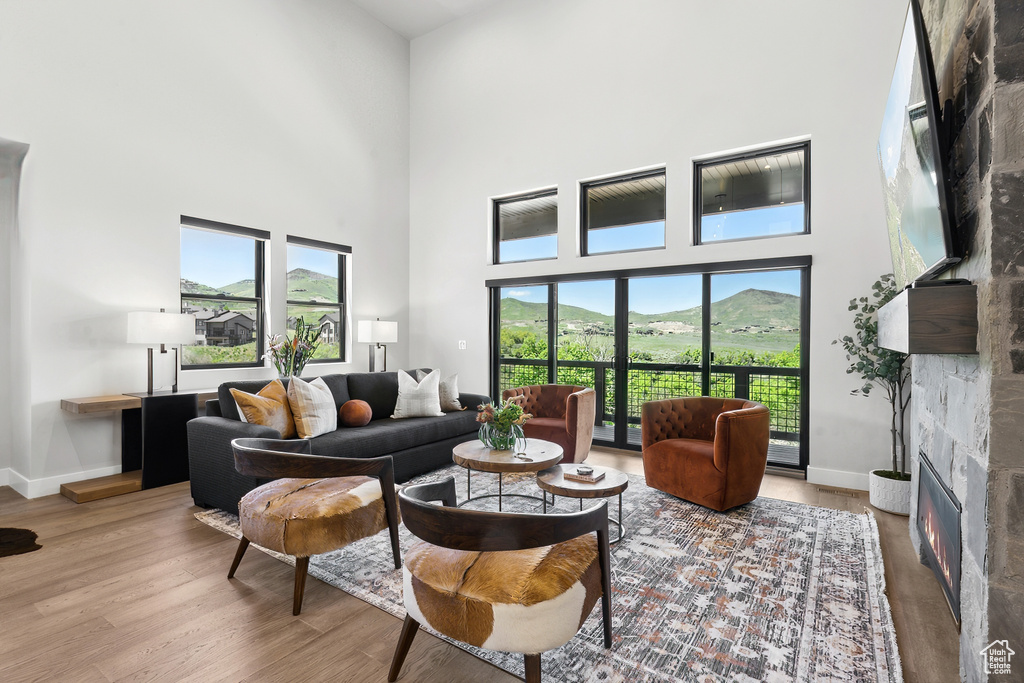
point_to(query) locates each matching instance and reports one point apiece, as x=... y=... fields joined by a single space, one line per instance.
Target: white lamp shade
x=378 y=331
x=146 y=327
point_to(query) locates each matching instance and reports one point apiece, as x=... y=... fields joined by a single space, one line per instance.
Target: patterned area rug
x=773 y=591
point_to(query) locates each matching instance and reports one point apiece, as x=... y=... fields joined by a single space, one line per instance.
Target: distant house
x=230 y=328
x=203 y=316
x=330 y=324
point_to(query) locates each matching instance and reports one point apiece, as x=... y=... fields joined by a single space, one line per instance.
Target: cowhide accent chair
x=562 y=414
x=709 y=451
x=315 y=504
x=501 y=581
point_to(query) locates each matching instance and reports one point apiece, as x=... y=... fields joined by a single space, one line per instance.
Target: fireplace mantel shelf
x=935 y=319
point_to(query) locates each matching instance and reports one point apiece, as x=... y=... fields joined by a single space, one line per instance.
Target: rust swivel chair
x=709 y=451
x=561 y=413
x=501 y=581
x=315 y=504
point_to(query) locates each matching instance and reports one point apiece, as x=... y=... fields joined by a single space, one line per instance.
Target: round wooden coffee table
x=553 y=481
x=474 y=455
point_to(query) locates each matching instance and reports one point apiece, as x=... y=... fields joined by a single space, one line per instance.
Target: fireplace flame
x=936 y=541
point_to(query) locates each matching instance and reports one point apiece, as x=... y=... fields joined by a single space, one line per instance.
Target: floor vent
x=839 y=492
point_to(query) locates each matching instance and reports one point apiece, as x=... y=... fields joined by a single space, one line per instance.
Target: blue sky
x=659 y=294
x=779 y=220
x=217 y=259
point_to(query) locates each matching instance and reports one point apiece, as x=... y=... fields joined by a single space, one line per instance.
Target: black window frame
x=496 y=240
x=343 y=251
x=585 y=209
x=260 y=238
x=698 y=189
x=803 y=263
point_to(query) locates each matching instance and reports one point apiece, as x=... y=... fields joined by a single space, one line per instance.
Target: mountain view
x=753 y=320
x=303 y=285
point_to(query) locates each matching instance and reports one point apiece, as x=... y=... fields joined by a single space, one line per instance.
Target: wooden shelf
x=103 y=487
x=931 y=319
x=100 y=404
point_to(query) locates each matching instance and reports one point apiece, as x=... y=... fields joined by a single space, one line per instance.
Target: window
x=623 y=214
x=316 y=293
x=735 y=329
x=222 y=285
x=526 y=227
x=759 y=194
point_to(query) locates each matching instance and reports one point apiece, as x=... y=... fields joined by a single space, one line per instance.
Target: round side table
x=614 y=482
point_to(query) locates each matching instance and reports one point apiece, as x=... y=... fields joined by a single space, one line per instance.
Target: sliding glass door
x=641 y=336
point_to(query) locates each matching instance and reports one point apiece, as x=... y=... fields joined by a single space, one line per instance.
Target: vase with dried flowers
x=502 y=425
x=291 y=355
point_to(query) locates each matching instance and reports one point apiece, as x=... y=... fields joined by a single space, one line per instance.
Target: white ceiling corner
x=414 y=18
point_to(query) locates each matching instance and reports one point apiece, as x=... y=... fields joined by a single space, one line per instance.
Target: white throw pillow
x=418 y=399
x=448 y=392
x=313 y=408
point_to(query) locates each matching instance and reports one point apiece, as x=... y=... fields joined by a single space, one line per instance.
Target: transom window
x=760 y=194
x=526 y=227
x=626 y=213
x=221 y=283
x=316 y=293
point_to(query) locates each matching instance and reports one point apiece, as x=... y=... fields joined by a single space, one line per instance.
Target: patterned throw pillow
x=269 y=407
x=418 y=399
x=313 y=407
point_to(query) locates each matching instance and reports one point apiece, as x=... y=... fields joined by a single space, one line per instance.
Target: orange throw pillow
x=269 y=408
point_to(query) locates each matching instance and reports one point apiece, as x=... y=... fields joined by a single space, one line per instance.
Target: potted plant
x=501 y=426
x=291 y=355
x=889 y=489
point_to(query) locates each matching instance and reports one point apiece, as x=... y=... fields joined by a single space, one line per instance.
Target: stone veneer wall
x=968 y=411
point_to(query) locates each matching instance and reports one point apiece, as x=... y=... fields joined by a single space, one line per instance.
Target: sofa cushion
x=312 y=407
x=387 y=436
x=379 y=389
x=418 y=397
x=338 y=384
x=355 y=413
x=269 y=407
x=228 y=407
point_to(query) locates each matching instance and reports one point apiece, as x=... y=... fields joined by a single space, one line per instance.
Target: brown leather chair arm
x=741 y=438
x=580 y=407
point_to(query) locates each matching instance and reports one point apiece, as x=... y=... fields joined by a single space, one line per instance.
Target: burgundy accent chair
x=562 y=414
x=709 y=451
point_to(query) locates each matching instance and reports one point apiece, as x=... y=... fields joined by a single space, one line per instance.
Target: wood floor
x=134 y=588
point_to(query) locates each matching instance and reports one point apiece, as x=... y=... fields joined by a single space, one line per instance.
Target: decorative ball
x=355 y=413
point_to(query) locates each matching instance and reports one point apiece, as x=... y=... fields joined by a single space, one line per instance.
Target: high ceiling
x=414 y=18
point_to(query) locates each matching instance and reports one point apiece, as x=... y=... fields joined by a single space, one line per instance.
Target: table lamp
x=378 y=332
x=147 y=327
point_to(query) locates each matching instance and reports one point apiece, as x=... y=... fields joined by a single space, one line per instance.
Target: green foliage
x=213 y=355
x=290 y=354
x=878 y=366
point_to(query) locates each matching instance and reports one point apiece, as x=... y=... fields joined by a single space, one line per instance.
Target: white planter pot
x=890 y=495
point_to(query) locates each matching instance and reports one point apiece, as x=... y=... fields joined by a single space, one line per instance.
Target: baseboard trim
x=47 y=486
x=5 y=476
x=840 y=478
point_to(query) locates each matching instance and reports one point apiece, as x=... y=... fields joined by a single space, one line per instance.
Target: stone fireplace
x=968 y=411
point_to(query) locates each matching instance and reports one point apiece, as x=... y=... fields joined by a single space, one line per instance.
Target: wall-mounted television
x=912 y=153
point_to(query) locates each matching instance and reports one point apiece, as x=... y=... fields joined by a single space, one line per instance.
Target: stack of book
x=590 y=478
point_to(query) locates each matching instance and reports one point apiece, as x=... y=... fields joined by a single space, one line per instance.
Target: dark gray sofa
x=418 y=444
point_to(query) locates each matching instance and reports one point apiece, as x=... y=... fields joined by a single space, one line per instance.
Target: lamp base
x=373 y=357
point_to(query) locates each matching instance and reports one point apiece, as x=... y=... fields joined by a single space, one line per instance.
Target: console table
x=154 y=443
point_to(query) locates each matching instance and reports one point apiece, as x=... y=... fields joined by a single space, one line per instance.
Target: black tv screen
x=910 y=157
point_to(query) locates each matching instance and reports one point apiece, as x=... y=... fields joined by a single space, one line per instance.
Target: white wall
x=285 y=115
x=12 y=154
x=531 y=93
